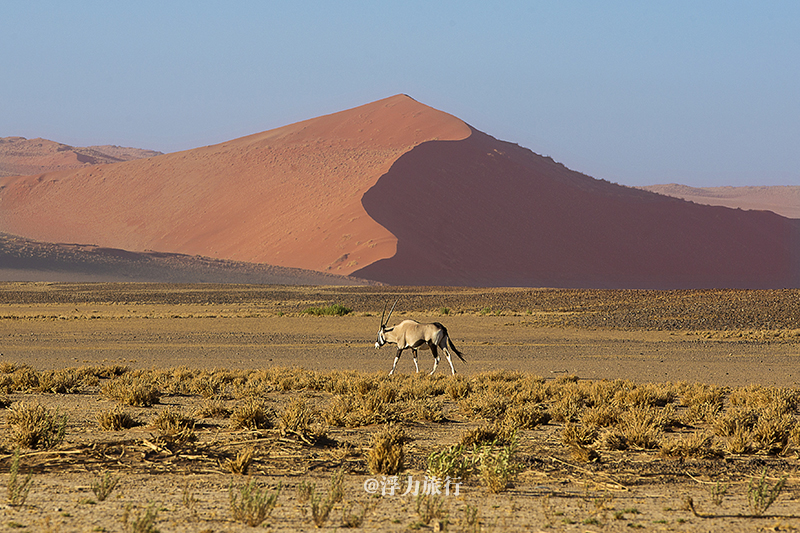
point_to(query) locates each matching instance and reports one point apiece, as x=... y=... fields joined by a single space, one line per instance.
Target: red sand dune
x=288 y=197
x=783 y=200
x=398 y=192
x=19 y=155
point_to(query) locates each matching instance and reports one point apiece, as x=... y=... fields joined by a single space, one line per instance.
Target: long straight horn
x=390 y=312
x=384 y=312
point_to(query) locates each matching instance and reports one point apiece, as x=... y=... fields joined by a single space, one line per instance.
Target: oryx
x=412 y=334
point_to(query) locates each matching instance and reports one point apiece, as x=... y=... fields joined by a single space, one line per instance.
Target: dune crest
x=19 y=156
x=287 y=197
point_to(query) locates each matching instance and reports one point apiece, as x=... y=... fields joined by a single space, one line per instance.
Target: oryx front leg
x=396 y=358
x=414 y=352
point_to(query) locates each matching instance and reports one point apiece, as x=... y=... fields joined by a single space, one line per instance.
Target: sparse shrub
x=525 y=416
x=352 y=519
x=780 y=400
x=458 y=388
x=66 y=381
x=351 y=410
x=734 y=419
x=115 y=420
x=241 y=463
x=213 y=407
x=646 y=395
x=613 y=439
x=386 y=454
x=761 y=495
x=297 y=417
x=304 y=491
x=718 y=492
x=600 y=416
x=339 y=411
x=251 y=505
x=739 y=442
x=771 y=432
x=497 y=465
x=34 y=426
x=569 y=407
x=17 y=488
x=8 y=367
x=452 y=462
x=735 y=428
x=430 y=507
x=130 y=389
x=172 y=420
x=578 y=435
x=642 y=426
x=387 y=392
x=330 y=310
x=209 y=385
x=698 y=445
x=142 y=522
x=429 y=409
x=485 y=404
x=25 y=379
x=321 y=506
x=703 y=402
x=252 y=414
x=487 y=434
x=104 y=486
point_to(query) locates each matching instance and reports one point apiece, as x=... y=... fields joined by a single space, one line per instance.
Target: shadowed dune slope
x=287 y=197
x=488 y=213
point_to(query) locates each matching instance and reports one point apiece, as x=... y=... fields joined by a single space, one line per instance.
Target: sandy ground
x=163 y=327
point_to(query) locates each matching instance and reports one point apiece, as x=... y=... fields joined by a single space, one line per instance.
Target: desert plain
x=576 y=410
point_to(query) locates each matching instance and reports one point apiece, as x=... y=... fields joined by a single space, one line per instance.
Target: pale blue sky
x=696 y=92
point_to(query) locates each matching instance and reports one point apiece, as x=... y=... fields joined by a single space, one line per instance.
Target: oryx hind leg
x=414 y=352
x=450 y=360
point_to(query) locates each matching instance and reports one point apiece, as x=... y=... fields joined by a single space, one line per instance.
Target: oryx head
x=381 y=339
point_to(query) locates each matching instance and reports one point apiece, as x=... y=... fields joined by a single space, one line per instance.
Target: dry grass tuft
x=172 y=420
x=252 y=414
x=34 y=426
x=240 y=464
x=695 y=445
x=115 y=420
x=136 y=390
x=579 y=436
x=386 y=455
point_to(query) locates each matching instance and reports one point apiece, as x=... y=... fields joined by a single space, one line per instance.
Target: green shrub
x=331 y=310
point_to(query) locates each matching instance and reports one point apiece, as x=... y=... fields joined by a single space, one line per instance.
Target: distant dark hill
x=484 y=212
x=26 y=260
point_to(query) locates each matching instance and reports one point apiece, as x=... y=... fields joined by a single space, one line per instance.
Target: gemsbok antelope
x=412 y=334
